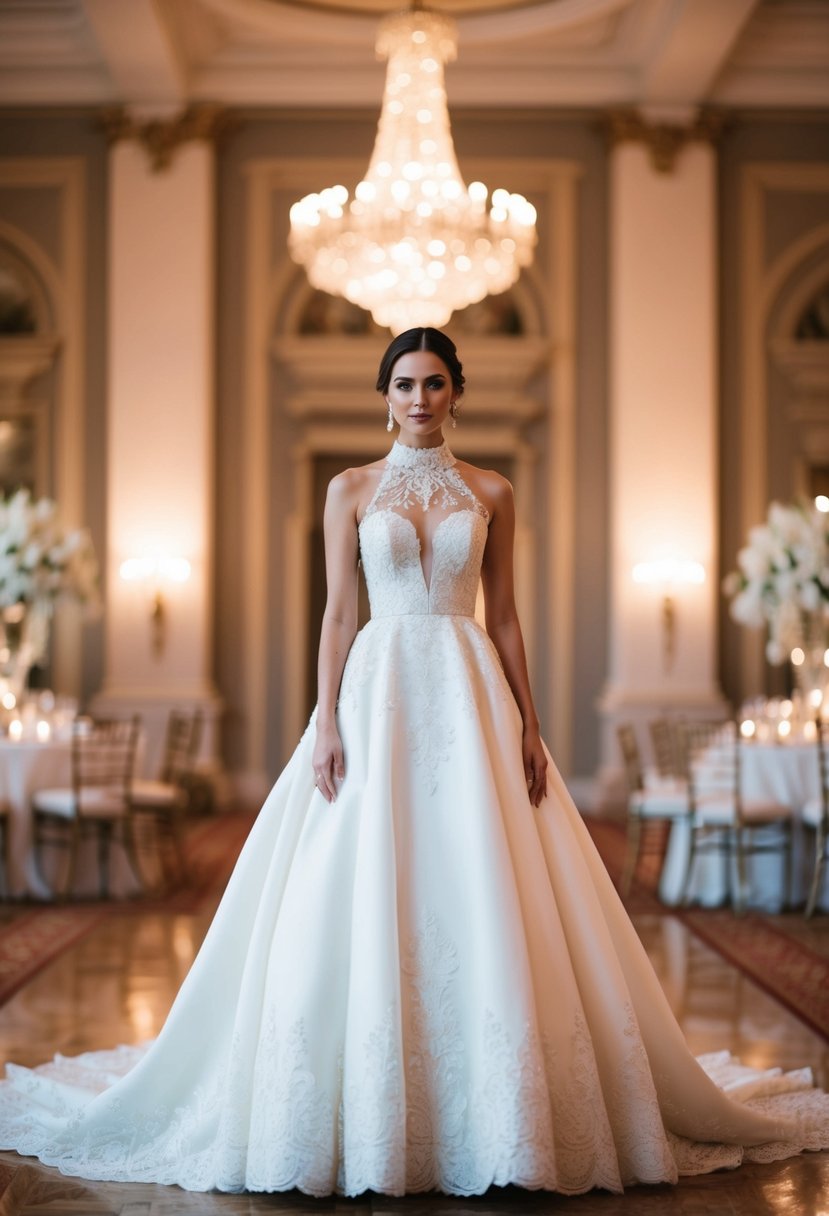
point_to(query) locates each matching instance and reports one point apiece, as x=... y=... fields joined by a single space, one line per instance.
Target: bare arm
x=504 y=629
x=339 y=626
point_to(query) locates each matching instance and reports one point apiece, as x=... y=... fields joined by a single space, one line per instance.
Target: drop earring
x=390 y=423
x=453 y=410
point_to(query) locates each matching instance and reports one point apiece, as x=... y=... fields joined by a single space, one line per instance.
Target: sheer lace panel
x=423 y=486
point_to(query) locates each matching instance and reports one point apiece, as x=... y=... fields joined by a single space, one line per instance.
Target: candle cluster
x=39 y=718
x=783 y=719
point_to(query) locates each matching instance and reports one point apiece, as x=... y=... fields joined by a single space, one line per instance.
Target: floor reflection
x=719 y=1008
x=116 y=986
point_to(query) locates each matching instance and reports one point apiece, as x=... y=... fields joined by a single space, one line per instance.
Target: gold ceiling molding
x=664 y=141
x=160 y=137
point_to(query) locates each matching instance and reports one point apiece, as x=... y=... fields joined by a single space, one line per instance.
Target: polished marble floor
x=117 y=984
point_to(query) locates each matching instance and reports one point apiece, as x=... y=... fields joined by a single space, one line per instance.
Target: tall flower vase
x=812 y=675
x=24 y=638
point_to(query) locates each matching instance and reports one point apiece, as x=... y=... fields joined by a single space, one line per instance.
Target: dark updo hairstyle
x=421 y=338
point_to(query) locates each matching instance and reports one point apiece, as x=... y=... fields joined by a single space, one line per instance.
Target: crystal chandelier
x=415 y=243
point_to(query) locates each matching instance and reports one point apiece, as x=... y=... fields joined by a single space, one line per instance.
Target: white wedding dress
x=428 y=983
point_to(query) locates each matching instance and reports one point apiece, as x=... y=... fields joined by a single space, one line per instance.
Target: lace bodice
x=422 y=537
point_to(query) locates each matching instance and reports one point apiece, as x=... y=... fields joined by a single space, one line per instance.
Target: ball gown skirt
x=426 y=984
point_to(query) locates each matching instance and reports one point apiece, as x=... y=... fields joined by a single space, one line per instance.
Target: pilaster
x=663 y=438
x=160 y=433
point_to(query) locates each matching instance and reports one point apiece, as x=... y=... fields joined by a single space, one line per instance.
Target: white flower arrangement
x=41 y=562
x=783 y=578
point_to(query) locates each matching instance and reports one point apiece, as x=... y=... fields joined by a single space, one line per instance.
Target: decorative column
x=663 y=433
x=160 y=425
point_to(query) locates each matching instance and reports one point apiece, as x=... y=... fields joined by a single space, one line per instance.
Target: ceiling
x=668 y=57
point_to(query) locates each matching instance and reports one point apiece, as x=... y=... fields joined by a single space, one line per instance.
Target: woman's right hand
x=328 y=762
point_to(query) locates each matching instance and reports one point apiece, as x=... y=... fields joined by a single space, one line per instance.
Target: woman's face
x=420 y=393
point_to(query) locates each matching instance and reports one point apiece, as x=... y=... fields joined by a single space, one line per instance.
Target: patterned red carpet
x=786 y=955
x=32 y=935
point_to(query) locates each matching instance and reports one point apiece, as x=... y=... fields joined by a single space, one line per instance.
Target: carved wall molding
x=763 y=286
x=328 y=376
x=162 y=137
x=322 y=422
x=664 y=141
x=61 y=180
x=22 y=358
x=805 y=365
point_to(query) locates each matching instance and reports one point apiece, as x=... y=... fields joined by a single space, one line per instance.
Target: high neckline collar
x=405 y=457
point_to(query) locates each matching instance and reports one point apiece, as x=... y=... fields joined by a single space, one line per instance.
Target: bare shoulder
x=350 y=490
x=493 y=490
x=344 y=488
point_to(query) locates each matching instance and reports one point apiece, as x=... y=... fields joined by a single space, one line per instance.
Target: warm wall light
x=667 y=574
x=162 y=569
x=822 y=503
x=155 y=572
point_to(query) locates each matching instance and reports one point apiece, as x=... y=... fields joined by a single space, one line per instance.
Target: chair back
x=822 y=735
x=663 y=735
x=693 y=737
x=710 y=753
x=631 y=757
x=103 y=755
x=181 y=745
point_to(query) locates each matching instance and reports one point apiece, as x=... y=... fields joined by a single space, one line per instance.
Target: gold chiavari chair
x=663 y=744
x=166 y=800
x=645 y=808
x=815 y=815
x=96 y=804
x=4 y=848
x=723 y=820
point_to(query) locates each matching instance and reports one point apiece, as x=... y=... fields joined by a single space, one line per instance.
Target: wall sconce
x=154 y=572
x=667 y=574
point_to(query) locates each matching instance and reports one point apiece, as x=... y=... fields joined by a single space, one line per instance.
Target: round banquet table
x=29 y=765
x=786 y=773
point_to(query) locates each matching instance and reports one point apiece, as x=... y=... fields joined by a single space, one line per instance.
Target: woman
x=420 y=975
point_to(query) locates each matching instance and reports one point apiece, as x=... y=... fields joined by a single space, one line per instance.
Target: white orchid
x=41 y=562
x=782 y=579
x=747 y=607
x=809 y=597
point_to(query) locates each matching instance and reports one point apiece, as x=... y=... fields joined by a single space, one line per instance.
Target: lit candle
x=43 y=731
x=15 y=730
x=748 y=728
x=784 y=728
x=9 y=700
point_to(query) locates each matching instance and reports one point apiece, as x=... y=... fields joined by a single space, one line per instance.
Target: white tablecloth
x=787 y=773
x=27 y=766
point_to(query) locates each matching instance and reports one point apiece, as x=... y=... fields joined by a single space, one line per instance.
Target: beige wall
x=68 y=147
x=774 y=237
x=790 y=214
x=532 y=140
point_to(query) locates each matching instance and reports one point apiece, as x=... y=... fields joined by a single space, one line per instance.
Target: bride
x=420 y=975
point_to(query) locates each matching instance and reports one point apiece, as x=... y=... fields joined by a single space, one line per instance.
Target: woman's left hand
x=535 y=765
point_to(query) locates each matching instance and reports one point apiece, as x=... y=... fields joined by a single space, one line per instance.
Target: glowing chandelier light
x=414 y=244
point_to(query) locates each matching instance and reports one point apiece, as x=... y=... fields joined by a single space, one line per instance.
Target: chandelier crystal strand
x=415 y=243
